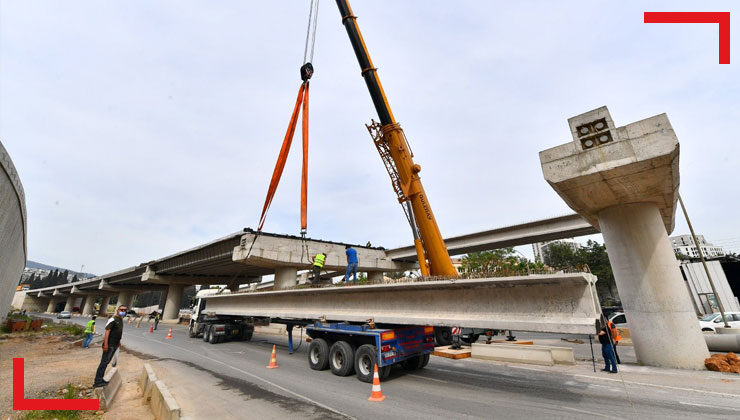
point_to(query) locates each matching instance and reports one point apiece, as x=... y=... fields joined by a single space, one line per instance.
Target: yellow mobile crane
x=394 y=149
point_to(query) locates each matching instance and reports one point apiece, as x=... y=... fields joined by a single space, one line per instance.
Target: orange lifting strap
x=283 y=156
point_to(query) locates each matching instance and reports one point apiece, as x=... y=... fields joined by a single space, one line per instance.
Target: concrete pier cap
x=624 y=181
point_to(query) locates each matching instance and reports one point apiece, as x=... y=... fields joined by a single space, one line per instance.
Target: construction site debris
x=723 y=362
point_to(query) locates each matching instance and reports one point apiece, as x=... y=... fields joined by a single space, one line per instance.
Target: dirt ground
x=51 y=362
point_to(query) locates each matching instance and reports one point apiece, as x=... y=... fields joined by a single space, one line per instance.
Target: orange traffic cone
x=377 y=394
x=169 y=334
x=151 y=329
x=273 y=359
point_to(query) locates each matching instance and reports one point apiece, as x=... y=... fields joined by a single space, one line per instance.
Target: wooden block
x=449 y=353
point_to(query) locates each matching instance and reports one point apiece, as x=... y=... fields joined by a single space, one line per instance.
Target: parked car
x=64 y=314
x=711 y=321
x=619 y=319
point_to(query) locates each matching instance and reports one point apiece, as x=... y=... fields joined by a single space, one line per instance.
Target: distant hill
x=34 y=264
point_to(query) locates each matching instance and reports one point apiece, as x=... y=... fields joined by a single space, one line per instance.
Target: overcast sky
x=142 y=128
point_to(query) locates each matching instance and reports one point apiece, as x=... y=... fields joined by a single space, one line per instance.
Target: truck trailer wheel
x=365 y=359
x=247 y=334
x=443 y=336
x=470 y=338
x=318 y=354
x=342 y=358
x=424 y=360
x=206 y=332
x=212 y=337
x=413 y=363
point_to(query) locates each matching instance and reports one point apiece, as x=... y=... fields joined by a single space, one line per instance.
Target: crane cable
x=301 y=106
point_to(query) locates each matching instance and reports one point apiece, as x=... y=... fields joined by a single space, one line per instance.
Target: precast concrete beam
x=277 y=251
x=172 y=303
x=563 y=303
x=77 y=291
x=150 y=276
x=624 y=180
x=58 y=292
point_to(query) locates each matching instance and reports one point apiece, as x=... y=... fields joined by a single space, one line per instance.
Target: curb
x=163 y=404
x=107 y=393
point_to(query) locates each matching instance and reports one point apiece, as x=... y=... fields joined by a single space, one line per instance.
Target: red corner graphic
x=20 y=403
x=722 y=18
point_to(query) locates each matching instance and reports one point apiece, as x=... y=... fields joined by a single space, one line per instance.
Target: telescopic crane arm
x=398 y=159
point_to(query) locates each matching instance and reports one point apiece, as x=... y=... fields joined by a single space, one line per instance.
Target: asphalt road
x=449 y=389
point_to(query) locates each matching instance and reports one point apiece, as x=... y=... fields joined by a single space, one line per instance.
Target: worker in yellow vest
x=89 y=331
x=318 y=263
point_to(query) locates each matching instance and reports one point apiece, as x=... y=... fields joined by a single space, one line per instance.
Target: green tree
x=501 y=261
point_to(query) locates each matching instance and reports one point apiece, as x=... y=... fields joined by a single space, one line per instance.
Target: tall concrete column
x=104 y=305
x=172 y=304
x=87 y=308
x=125 y=298
x=375 y=277
x=285 y=278
x=70 y=303
x=658 y=308
x=624 y=181
x=52 y=303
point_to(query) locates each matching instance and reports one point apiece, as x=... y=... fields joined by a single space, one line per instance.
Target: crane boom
x=390 y=140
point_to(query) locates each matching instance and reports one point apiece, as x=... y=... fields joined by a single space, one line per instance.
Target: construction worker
x=615 y=338
x=318 y=263
x=156 y=319
x=89 y=331
x=352 y=263
x=607 y=350
x=111 y=342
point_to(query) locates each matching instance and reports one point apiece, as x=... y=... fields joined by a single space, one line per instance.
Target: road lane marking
x=593 y=413
x=659 y=386
x=709 y=406
x=303 y=397
x=426 y=377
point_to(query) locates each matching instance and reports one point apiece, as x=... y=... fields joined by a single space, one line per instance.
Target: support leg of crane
x=289 y=328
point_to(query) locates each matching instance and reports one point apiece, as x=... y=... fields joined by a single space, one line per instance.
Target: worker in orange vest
x=614 y=332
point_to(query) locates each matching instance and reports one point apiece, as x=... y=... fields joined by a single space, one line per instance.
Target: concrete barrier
x=536 y=355
x=164 y=406
x=560 y=355
x=146 y=381
x=723 y=342
x=107 y=393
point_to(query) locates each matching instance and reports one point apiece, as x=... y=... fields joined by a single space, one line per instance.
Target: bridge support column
x=661 y=319
x=52 y=304
x=624 y=180
x=172 y=304
x=87 y=309
x=104 y=305
x=70 y=303
x=285 y=278
x=375 y=277
x=125 y=298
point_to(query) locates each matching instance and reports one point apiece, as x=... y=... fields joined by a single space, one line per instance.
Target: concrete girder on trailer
x=561 y=303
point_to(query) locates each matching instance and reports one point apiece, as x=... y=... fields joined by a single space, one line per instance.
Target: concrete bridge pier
x=624 y=181
x=104 y=305
x=87 y=308
x=52 y=304
x=173 y=301
x=375 y=277
x=70 y=303
x=285 y=278
x=125 y=298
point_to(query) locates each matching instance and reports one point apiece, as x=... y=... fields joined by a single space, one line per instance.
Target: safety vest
x=614 y=332
x=90 y=324
x=318 y=260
